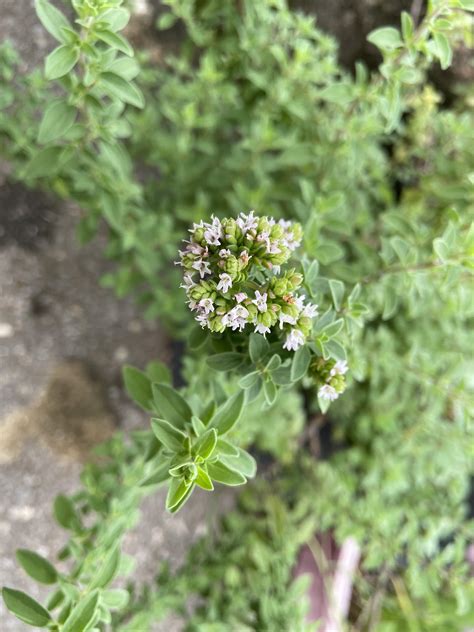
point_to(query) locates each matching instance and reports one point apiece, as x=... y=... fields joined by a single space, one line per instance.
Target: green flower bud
x=252 y=309
x=267 y=318
x=199 y=292
x=198 y=235
x=232 y=266
x=276 y=232
x=280 y=287
x=230 y=228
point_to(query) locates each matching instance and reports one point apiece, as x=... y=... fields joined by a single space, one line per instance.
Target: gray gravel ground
x=63 y=340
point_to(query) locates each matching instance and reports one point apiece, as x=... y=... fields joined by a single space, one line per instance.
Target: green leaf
x=335 y=350
x=158 y=372
x=282 y=375
x=311 y=275
x=206 y=444
x=116 y=598
x=223 y=474
x=228 y=414
x=253 y=392
x=178 y=492
x=197 y=337
x=337 y=292
x=226 y=448
x=390 y=302
x=116 y=41
x=329 y=252
x=121 y=89
x=467 y=4
x=166 y=21
x=340 y=93
x=408 y=26
x=402 y=248
x=227 y=361
x=172 y=438
x=171 y=405
x=198 y=426
x=57 y=120
x=274 y=363
x=323 y=404
x=65 y=513
x=203 y=480
x=385 y=38
x=60 y=61
x=441 y=249
x=311 y=234
x=44 y=163
x=244 y=463
x=82 y=614
x=126 y=67
x=270 y=392
x=444 y=50
x=258 y=347
x=300 y=364
x=138 y=386
x=249 y=380
x=107 y=569
x=36 y=566
x=117 y=19
x=25 y=608
x=52 y=19
x=55 y=599
x=159 y=475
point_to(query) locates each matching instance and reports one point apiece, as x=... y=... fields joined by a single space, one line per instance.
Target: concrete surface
x=63 y=340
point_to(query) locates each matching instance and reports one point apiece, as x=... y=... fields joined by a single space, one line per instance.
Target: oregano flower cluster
x=233 y=277
x=329 y=377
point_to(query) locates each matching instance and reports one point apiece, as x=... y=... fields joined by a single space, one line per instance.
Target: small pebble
x=121 y=354
x=6 y=330
x=22 y=513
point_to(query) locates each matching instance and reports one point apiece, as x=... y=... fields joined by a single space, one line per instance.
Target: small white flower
x=195 y=249
x=247 y=222
x=196 y=226
x=272 y=248
x=225 y=282
x=340 y=368
x=244 y=256
x=288 y=239
x=294 y=340
x=260 y=301
x=260 y=328
x=290 y=242
x=299 y=301
x=240 y=296
x=213 y=232
x=286 y=318
x=206 y=305
x=328 y=392
x=236 y=318
x=203 y=320
x=310 y=310
x=202 y=267
x=224 y=253
x=188 y=282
